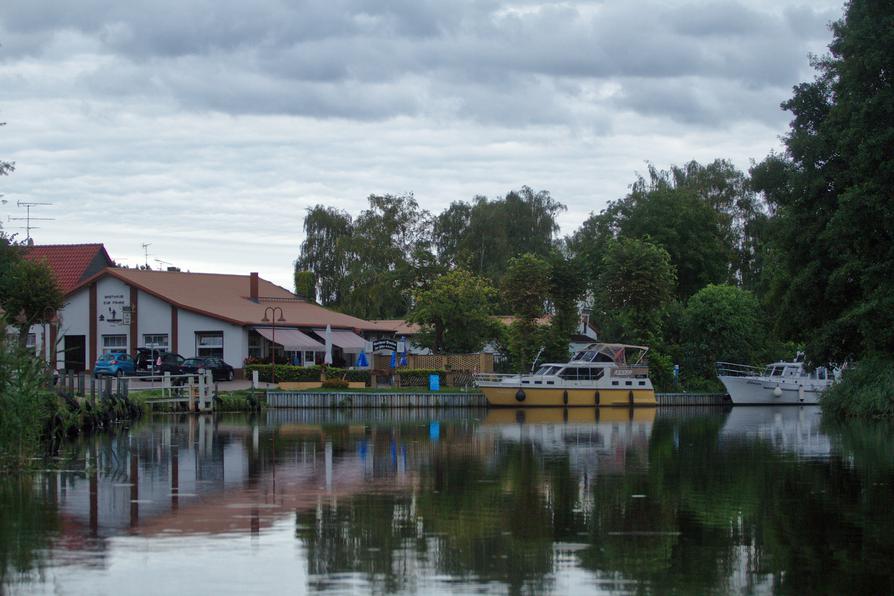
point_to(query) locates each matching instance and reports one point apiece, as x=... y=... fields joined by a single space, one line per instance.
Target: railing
x=493 y=377
x=731 y=369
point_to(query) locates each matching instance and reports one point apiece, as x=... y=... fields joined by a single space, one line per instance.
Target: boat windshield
x=547 y=370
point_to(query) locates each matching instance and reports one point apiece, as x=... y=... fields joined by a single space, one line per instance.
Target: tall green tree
x=306 y=285
x=833 y=193
x=636 y=284
x=29 y=293
x=525 y=289
x=455 y=313
x=324 y=252
x=722 y=323
x=566 y=288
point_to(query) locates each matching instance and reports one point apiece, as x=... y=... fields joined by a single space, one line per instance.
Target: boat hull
x=757 y=391
x=534 y=397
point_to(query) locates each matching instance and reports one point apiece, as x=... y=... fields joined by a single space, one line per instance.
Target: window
x=254 y=344
x=209 y=344
x=31 y=342
x=156 y=340
x=114 y=343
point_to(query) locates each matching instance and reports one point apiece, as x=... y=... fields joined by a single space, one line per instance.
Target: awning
x=346 y=340
x=293 y=340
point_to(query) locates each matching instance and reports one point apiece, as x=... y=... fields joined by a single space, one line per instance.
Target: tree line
x=701 y=261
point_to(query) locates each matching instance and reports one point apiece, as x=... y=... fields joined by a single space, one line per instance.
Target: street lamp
x=272 y=320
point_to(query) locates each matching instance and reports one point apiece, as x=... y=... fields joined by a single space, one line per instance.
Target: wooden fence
x=299 y=399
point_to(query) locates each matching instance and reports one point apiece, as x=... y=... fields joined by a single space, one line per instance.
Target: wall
x=153 y=316
x=112 y=295
x=235 y=337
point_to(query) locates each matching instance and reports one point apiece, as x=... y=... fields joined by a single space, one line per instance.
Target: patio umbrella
x=361 y=360
x=328 y=358
x=393 y=359
x=403 y=357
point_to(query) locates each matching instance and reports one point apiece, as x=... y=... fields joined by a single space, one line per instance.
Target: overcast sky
x=207 y=127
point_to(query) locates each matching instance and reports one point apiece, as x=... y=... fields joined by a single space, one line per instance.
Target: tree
x=28 y=293
x=306 y=285
x=566 y=287
x=636 y=284
x=323 y=251
x=525 y=289
x=6 y=167
x=455 y=313
x=832 y=192
x=721 y=323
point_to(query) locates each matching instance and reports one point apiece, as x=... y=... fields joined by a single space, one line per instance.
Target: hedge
x=291 y=373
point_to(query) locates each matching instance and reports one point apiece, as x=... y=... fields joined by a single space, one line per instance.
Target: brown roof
x=70 y=263
x=398 y=326
x=226 y=297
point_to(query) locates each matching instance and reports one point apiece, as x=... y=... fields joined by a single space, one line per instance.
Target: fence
x=473 y=363
x=298 y=399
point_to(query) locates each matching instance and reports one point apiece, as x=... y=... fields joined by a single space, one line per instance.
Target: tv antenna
x=28 y=219
x=160 y=263
x=146 y=252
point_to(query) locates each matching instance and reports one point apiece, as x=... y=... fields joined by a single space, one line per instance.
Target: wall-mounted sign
x=113 y=309
x=384 y=344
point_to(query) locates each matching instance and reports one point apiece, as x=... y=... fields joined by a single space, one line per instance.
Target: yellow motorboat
x=599 y=375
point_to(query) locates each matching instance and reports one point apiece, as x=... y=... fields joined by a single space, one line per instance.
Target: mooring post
x=92 y=390
x=191 y=387
x=201 y=390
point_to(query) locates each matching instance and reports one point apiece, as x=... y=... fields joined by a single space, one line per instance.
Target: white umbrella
x=328 y=358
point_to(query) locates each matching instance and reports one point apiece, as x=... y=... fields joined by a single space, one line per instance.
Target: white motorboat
x=777 y=383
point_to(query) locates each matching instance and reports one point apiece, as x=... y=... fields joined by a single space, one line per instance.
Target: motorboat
x=777 y=383
x=601 y=374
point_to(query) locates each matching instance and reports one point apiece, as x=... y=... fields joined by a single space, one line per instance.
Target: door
x=75 y=352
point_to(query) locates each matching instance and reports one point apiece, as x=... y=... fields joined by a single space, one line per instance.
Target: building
x=234 y=317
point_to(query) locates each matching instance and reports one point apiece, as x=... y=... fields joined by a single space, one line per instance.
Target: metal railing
x=731 y=369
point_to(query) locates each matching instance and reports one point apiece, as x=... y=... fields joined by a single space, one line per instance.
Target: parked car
x=117 y=364
x=220 y=370
x=170 y=363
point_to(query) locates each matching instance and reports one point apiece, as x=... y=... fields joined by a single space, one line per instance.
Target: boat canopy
x=620 y=354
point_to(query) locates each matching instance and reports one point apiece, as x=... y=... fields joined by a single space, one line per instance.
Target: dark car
x=220 y=370
x=169 y=362
x=146 y=358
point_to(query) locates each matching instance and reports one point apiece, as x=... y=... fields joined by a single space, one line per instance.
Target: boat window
x=642 y=382
x=775 y=372
x=546 y=370
x=614 y=382
x=570 y=374
x=628 y=382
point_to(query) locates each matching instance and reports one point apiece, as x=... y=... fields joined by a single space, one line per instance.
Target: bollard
x=191 y=389
x=209 y=384
x=201 y=390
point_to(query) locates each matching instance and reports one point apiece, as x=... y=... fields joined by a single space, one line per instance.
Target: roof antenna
x=146 y=252
x=28 y=219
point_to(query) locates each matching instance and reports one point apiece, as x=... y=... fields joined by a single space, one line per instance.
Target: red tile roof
x=69 y=262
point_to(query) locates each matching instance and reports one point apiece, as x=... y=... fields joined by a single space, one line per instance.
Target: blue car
x=117 y=364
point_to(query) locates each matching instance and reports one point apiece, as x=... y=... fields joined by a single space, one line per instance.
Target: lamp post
x=271 y=311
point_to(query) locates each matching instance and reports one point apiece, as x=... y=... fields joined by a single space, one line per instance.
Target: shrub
x=352 y=375
x=335 y=384
x=865 y=391
x=285 y=372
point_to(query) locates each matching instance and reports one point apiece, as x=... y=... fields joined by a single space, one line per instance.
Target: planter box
x=299 y=385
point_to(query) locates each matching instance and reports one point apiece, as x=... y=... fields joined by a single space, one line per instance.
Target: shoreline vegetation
x=866 y=390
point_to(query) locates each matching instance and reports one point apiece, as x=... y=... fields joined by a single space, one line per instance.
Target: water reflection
x=528 y=501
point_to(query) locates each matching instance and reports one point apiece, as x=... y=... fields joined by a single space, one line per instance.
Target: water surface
x=747 y=500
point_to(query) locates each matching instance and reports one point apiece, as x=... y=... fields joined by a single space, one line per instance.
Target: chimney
x=253 y=286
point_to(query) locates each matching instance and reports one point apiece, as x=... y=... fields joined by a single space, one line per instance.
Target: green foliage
x=525 y=289
x=323 y=252
x=25 y=403
x=455 y=313
x=285 y=372
x=636 y=284
x=834 y=283
x=335 y=383
x=28 y=291
x=721 y=323
x=306 y=285
x=566 y=288
x=865 y=390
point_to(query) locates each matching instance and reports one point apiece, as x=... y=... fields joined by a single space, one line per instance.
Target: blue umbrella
x=403 y=357
x=393 y=359
x=361 y=360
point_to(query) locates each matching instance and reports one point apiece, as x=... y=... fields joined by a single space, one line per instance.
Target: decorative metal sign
x=384 y=344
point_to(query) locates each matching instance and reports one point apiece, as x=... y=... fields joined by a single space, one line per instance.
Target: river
x=742 y=500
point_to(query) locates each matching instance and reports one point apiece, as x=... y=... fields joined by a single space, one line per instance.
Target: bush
x=352 y=375
x=285 y=372
x=865 y=391
x=335 y=384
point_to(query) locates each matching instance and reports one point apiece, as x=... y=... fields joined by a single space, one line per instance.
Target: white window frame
x=150 y=340
x=107 y=340
x=206 y=349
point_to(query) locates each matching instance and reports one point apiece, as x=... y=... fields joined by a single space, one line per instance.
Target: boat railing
x=731 y=369
x=493 y=377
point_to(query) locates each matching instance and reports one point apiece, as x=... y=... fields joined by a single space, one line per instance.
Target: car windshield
x=194 y=362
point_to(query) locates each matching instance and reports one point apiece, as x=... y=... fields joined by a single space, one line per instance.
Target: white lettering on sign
x=113 y=309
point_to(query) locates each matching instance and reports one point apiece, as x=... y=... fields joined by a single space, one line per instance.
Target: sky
x=206 y=128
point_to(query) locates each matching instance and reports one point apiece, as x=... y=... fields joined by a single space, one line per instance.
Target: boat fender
x=520 y=395
x=630 y=397
x=777 y=392
x=597 y=398
x=565 y=397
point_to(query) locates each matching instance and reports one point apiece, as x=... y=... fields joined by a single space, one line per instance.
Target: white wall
x=74 y=319
x=153 y=317
x=235 y=337
x=112 y=295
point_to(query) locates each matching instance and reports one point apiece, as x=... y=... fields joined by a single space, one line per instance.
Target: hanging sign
x=384 y=344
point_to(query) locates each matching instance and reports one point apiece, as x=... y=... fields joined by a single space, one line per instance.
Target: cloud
x=186 y=122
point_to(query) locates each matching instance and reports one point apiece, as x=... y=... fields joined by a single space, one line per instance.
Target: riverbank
x=865 y=391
